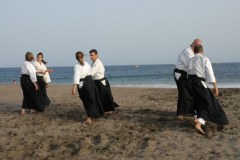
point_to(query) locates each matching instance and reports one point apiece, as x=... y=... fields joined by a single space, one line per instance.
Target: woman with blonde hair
x=32 y=96
x=86 y=88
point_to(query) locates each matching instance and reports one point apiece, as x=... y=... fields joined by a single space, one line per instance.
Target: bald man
x=185 y=100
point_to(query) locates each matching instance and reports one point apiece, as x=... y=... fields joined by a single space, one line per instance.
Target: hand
x=36 y=87
x=216 y=91
x=73 y=92
x=49 y=71
x=74 y=89
x=43 y=72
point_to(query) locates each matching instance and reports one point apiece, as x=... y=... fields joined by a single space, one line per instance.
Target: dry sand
x=143 y=127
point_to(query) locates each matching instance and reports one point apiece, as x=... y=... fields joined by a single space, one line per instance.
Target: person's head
x=40 y=58
x=80 y=57
x=196 y=42
x=198 y=49
x=93 y=54
x=29 y=56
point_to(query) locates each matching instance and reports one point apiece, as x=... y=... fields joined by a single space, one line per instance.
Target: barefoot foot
x=199 y=129
x=88 y=121
x=23 y=111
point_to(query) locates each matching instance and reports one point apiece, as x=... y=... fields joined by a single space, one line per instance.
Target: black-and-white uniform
x=41 y=80
x=32 y=99
x=185 y=99
x=103 y=86
x=87 y=90
x=208 y=109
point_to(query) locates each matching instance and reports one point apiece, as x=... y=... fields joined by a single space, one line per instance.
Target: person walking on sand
x=32 y=96
x=102 y=84
x=86 y=88
x=43 y=77
x=185 y=99
x=208 y=109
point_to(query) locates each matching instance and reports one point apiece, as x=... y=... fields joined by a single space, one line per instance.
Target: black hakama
x=32 y=99
x=185 y=104
x=42 y=86
x=207 y=106
x=89 y=97
x=105 y=94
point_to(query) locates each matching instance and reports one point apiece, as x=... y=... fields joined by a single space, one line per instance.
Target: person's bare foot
x=22 y=111
x=108 y=113
x=88 y=120
x=33 y=111
x=198 y=128
x=180 y=117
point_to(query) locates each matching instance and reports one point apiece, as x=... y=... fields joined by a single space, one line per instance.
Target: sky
x=125 y=32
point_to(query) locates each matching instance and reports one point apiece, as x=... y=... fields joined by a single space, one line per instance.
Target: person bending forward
x=208 y=109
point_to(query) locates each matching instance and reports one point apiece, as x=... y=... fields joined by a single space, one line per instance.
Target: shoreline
x=142 y=86
x=143 y=127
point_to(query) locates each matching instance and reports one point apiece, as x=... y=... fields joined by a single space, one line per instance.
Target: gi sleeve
x=32 y=72
x=76 y=77
x=209 y=72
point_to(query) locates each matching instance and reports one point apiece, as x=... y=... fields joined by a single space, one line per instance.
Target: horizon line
x=128 y=64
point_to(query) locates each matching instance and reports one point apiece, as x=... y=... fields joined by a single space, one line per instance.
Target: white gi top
x=202 y=67
x=98 y=70
x=81 y=72
x=29 y=69
x=41 y=67
x=184 y=59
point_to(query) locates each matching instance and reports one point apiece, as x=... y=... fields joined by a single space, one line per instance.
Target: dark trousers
x=185 y=103
x=43 y=88
x=90 y=99
x=207 y=105
x=105 y=94
x=32 y=99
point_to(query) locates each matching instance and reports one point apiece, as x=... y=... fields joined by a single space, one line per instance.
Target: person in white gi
x=86 y=88
x=32 y=98
x=185 y=100
x=43 y=76
x=102 y=84
x=200 y=73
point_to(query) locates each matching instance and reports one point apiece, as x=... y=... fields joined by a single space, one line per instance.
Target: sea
x=153 y=76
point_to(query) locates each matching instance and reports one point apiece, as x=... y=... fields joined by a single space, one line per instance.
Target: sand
x=143 y=127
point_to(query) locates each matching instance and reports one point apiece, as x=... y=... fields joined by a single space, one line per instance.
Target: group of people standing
x=192 y=73
x=90 y=82
x=34 y=81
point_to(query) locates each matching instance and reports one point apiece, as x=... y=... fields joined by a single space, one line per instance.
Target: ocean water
x=155 y=76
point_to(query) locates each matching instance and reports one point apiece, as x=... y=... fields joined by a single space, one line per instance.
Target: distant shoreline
x=124 y=65
x=135 y=76
x=124 y=86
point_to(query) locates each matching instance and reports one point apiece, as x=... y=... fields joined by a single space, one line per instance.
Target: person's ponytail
x=79 y=57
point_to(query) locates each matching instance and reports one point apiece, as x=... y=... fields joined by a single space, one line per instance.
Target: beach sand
x=143 y=127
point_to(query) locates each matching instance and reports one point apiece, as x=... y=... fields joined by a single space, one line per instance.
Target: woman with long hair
x=86 y=88
x=43 y=77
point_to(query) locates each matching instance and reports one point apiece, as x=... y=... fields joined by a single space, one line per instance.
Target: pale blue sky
x=124 y=31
